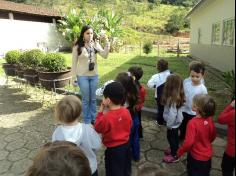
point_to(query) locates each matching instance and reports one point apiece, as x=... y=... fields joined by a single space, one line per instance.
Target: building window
x=199 y=36
x=228 y=32
x=216 y=34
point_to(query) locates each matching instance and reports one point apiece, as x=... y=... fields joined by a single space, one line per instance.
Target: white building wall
x=16 y=34
x=210 y=12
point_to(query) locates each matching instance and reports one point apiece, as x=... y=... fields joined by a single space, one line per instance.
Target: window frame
x=212 y=33
x=223 y=29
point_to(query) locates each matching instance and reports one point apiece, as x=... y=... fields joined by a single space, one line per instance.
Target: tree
x=176 y=21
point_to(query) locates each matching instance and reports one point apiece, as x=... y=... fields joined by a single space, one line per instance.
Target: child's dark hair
x=173 y=92
x=132 y=95
x=116 y=92
x=197 y=67
x=60 y=158
x=68 y=109
x=205 y=105
x=136 y=71
x=162 y=65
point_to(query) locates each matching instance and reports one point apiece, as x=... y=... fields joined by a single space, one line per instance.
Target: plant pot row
x=49 y=80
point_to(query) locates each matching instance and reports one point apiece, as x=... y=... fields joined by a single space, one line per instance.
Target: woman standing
x=84 y=69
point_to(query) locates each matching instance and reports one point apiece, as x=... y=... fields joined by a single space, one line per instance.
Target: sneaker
x=167 y=151
x=170 y=159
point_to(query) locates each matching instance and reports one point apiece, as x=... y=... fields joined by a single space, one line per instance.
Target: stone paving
x=26 y=124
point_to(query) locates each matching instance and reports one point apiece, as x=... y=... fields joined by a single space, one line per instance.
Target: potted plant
x=11 y=58
x=31 y=62
x=54 y=73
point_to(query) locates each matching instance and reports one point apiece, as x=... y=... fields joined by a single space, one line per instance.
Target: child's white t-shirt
x=84 y=136
x=158 y=79
x=190 y=91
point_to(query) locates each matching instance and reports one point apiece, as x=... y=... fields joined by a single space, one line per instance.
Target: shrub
x=22 y=59
x=33 y=58
x=229 y=79
x=53 y=62
x=12 y=56
x=147 y=48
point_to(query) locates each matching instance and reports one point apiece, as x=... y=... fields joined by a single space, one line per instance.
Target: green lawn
x=118 y=62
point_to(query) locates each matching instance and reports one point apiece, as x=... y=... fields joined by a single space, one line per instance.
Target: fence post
x=158 y=49
x=178 y=49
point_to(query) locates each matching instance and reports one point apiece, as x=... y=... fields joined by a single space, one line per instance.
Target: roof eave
x=194 y=8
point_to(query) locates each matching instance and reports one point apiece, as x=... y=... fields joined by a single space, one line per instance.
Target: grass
x=119 y=62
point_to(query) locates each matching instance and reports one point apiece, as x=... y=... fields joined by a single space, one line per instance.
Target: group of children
x=183 y=106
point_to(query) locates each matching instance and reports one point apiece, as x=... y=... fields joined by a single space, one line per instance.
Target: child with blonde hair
x=67 y=112
x=200 y=134
x=173 y=100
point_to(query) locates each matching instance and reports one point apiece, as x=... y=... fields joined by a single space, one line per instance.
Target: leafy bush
x=53 y=62
x=22 y=59
x=147 y=48
x=229 y=79
x=33 y=58
x=12 y=56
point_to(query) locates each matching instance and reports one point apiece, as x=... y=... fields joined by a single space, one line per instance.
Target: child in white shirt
x=157 y=81
x=67 y=112
x=192 y=86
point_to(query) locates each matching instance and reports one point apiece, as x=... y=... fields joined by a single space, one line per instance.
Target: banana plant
x=71 y=24
x=112 y=25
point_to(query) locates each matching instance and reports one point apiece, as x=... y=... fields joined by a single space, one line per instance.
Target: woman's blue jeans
x=88 y=86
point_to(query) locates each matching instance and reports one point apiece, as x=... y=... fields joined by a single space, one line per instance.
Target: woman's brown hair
x=204 y=104
x=68 y=109
x=60 y=158
x=173 y=92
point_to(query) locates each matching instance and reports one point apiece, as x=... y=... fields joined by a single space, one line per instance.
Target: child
x=131 y=101
x=115 y=126
x=228 y=117
x=157 y=81
x=137 y=72
x=173 y=100
x=200 y=134
x=67 y=112
x=60 y=158
x=192 y=86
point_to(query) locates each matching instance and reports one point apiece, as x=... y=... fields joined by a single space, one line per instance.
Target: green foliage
x=12 y=56
x=71 y=24
x=177 y=21
x=229 y=79
x=23 y=59
x=147 y=48
x=33 y=58
x=54 y=62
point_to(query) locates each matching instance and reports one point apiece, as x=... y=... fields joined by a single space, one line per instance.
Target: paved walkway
x=25 y=125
